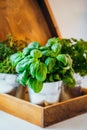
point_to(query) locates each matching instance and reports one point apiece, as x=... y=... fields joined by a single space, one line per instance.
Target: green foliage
x=50 y=63
x=22 y=78
x=41 y=72
x=16 y=57
x=8 y=47
x=35 y=84
x=5 y=51
x=26 y=51
x=62 y=58
x=69 y=80
x=42 y=48
x=22 y=65
x=36 y=53
x=34 y=45
x=48 y=53
x=51 y=41
x=56 y=47
x=77 y=49
x=36 y=70
x=6 y=66
x=38 y=64
x=33 y=69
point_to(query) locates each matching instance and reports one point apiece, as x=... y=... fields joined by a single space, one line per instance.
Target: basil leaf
x=22 y=78
x=16 y=57
x=51 y=41
x=34 y=68
x=26 y=51
x=56 y=47
x=50 y=63
x=35 y=85
x=34 y=45
x=48 y=53
x=41 y=72
x=62 y=58
x=36 y=53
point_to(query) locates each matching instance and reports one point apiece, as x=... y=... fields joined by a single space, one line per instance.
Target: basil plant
x=37 y=64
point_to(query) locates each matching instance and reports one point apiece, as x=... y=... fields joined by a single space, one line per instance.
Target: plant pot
x=49 y=94
x=84 y=81
x=80 y=80
x=8 y=83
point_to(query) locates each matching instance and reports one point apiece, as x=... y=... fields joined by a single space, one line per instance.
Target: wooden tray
x=48 y=115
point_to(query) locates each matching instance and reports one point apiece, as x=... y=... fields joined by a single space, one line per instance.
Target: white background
x=71 y=16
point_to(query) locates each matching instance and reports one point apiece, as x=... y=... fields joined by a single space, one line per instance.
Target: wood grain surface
x=22 y=109
x=25 y=20
x=65 y=110
x=47 y=115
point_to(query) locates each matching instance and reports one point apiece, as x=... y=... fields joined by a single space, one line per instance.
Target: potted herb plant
x=41 y=68
x=77 y=49
x=8 y=74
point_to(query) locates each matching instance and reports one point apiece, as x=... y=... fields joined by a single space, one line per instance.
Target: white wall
x=71 y=16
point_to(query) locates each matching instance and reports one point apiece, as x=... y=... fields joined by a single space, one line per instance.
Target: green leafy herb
x=15 y=58
x=5 y=51
x=36 y=53
x=26 y=51
x=51 y=41
x=34 y=68
x=38 y=64
x=34 y=45
x=6 y=66
x=35 y=84
x=62 y=58
x=22 y=78
x=50 y=63
x=41 y=72
x=56 y=47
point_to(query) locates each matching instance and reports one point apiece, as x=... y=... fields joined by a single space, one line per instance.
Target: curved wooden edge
x=21 y=109
x=53 y=18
